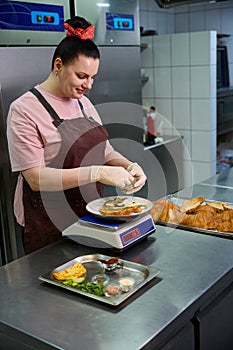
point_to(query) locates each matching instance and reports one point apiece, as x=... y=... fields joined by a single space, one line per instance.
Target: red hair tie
x=83 y=34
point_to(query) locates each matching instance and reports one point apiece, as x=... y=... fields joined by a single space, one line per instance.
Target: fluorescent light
x=102 y=4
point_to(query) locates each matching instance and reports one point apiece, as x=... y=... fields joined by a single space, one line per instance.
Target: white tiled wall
x=182 y=86
x=188 y=99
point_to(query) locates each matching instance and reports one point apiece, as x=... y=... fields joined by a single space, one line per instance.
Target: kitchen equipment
x=32 y=22
x=117 y=34
x=141 y=275
x=101 y=233
x=116 y=21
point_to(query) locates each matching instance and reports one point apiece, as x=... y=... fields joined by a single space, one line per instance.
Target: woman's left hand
x=140 y=178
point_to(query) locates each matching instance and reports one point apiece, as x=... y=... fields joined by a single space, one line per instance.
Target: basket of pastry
x=195 y=213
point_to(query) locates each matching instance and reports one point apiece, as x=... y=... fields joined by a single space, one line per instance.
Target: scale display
x=16 y=15
x=116 y=21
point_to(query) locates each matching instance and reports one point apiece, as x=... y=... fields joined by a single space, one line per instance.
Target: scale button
x=39 y=18
x=48 y=19
x=125 y=24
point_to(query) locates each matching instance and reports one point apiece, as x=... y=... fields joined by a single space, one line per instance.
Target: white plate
x=94 y=207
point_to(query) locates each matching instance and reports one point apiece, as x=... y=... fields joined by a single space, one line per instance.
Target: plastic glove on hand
x=139 y=178
x=115 y=176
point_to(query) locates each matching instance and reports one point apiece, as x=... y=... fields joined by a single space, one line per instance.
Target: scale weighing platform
x=101 y=233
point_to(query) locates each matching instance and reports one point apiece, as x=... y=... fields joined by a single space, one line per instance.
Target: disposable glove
x=139 y=178
x=112 y=175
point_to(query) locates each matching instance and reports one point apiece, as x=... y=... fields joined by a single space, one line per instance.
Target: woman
x=59 y=146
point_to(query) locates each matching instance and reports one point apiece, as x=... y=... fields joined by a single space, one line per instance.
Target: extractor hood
x=173 y=3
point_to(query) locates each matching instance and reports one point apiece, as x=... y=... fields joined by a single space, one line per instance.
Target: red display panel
x=131 y=235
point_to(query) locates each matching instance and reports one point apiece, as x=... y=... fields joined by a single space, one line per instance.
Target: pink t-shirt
x=30 y=130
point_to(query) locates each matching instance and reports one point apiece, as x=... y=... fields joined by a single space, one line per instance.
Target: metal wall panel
x=17 y=75
x=96 y=14
x=119 y=76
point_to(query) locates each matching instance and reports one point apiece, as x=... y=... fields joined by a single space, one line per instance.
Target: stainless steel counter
x=194 y=269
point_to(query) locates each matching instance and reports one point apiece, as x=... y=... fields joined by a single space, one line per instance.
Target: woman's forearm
x=51 y=179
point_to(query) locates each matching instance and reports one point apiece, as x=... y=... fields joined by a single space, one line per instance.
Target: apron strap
x=57 y=120
x=90 y=119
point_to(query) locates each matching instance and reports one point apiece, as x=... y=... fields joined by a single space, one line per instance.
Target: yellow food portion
x=76 y=270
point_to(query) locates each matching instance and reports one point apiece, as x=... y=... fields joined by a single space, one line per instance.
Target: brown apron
x=47 y=214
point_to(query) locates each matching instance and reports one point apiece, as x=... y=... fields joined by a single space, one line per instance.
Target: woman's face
x=77 y=77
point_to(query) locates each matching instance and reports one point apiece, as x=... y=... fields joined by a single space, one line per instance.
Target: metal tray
x=179 y=200
x=141 y=274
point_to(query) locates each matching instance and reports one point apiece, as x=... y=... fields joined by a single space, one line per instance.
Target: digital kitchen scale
x=101 y=233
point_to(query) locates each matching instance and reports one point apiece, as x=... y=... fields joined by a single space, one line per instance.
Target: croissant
x=195 y=212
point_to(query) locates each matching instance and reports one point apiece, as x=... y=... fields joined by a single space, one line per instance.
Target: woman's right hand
x=115 y=176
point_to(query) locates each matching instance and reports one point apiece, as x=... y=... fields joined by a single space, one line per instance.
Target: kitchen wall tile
x=180 y=82
x=162 y=23
x=162 y=50
x=188 y=177
x=153 y=20
x=152 y=6
x=147 y=53
x=143 y=5
x=143 y=18
x=203 y=146
x=171 y=24
x=196 y=7
x=182 y=23
x=186 y=136
x=227 y=14
x=201 y=82
x=181 y=9
x=204 y=42
x=180 y=49
x=164 y=107
x=203 y=114
x=197 y=21
x=213 y=20
x=181 y=113
x=148 y=87
x=162 y=81
x=164 y=124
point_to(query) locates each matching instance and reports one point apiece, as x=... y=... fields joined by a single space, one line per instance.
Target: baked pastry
x=227 y=206
x=195 y=212
x=216 y=205
x=160 y=209
x=190 y=205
